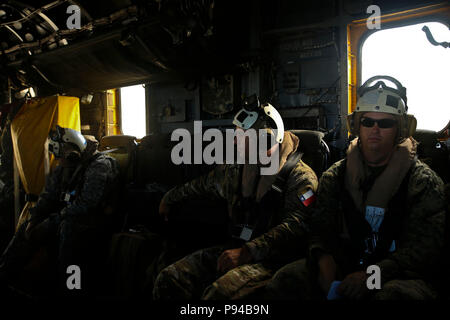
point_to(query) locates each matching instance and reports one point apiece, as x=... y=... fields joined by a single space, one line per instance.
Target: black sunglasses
x=382 y=123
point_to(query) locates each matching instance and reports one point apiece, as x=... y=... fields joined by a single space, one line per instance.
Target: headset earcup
x=411 y=125
x=350 y=123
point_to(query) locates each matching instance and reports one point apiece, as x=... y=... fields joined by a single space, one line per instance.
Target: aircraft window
x=407 y=55
x=132 y=104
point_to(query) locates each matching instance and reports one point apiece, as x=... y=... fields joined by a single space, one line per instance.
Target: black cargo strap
x=431 y=38
x=76 y=176
x=282 y=176
x=109 y=150
x=29 y=197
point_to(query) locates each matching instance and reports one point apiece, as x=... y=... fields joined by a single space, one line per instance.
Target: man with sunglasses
x=73 y=215
x=378 y=209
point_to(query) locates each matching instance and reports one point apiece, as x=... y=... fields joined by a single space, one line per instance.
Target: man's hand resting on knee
x=232 y=258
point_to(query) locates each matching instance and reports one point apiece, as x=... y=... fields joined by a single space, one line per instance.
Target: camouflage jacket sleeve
x=421 y=240
x=287 y=240
x=324 y=219
x=217 y=184
x=49 y=201
x=99 y=179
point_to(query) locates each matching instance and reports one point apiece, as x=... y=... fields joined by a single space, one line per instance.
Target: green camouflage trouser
x=294 y=281
x=297 y=281
x=196 y=276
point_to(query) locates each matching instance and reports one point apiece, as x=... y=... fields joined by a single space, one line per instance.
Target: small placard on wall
x=291 y=78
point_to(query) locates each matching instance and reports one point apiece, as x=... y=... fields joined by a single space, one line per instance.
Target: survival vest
x=363 y=246
x=257 y=216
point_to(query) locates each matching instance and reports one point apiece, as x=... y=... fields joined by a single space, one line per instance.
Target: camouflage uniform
x=188 y=277
x=406 y=273
x=78 y=225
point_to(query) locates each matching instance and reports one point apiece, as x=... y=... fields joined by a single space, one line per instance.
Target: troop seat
x=156 y=173
x=316 y=151
x=433 y=152
x=123 y=149
x=153 y=161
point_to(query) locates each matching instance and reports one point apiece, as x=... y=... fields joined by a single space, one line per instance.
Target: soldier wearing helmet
x=74 y=209
x=379 y=207
x=66 y=143
x=265 y=215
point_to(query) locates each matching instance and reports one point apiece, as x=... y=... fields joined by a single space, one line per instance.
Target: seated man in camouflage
x=72 y=212
x=266 y=212
x=378 y=207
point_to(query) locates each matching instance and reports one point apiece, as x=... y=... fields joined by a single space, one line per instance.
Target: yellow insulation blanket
x=29 y=131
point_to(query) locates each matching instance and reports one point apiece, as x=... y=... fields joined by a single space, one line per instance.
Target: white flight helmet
x=252 y=111
x=382 y=98
x=65 y=135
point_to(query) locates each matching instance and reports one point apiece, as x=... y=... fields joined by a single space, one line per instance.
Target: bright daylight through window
x=133 y=110
x=407 y=55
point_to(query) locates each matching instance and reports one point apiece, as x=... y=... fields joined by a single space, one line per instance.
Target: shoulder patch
x=307 y=197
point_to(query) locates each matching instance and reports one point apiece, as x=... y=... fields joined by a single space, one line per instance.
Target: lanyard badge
x=68 y=197
x=243 y=232
x=375 y=216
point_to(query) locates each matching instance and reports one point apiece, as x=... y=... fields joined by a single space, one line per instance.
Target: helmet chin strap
x=272 y=149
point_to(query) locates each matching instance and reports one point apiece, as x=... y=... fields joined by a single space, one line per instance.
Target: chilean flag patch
x=308 y=197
